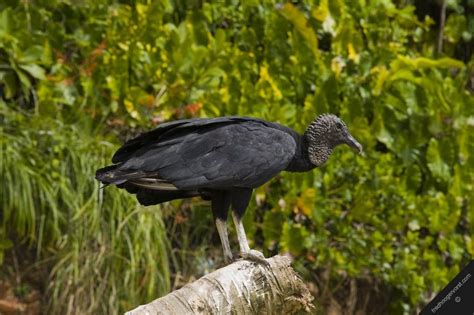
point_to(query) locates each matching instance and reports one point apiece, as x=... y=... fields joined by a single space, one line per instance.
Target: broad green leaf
x=426 y=63
x=321 y=11
x=298 y=19
x=34 y=70
x=437 y=166
x=292 y=238
x=131 y=109
x=5 y=21
x=31 y=55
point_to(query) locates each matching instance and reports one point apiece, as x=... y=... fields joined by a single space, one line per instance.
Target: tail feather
x=113 y=175
x=148 y=190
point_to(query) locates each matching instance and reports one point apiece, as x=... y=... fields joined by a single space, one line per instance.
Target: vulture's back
x=195 y=154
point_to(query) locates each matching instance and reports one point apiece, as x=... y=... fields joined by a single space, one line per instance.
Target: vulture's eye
x=338 y=126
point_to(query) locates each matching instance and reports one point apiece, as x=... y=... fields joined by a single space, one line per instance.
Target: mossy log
x=243 y=287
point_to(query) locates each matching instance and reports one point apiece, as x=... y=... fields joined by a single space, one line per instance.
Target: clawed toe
x=255 y=256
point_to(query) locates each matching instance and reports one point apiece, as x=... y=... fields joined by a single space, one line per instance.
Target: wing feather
x=243 y=154
x=170 y=129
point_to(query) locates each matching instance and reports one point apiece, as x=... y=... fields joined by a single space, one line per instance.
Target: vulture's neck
x=310 y=152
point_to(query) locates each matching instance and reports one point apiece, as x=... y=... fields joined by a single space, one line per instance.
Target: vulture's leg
x=240 y=200
x=220 y=207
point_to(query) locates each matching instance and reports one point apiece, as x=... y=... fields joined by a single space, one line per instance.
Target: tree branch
x=243 y=287
x=441 y=27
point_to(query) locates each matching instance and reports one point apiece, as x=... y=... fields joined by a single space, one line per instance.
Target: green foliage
x=97 y=243
x=402 y=214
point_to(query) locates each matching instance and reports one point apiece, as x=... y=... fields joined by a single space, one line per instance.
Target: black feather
x=197 y=154
x=150 y=197
x=114 y=175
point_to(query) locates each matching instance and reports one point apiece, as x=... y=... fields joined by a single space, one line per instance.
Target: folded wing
x=208 y=153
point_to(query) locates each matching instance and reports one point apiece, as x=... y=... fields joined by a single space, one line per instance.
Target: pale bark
x=243 y=287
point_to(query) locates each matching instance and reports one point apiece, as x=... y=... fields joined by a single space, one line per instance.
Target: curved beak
x=350 y=141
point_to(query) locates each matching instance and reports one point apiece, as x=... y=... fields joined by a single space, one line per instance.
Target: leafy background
x=376 y=234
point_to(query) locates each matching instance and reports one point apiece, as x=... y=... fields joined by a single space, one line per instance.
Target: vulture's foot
x=255 y=256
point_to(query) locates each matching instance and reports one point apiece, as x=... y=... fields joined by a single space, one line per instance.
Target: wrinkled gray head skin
x=325 y=133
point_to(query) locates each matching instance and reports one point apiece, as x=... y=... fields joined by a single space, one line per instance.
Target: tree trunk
x=243 y=287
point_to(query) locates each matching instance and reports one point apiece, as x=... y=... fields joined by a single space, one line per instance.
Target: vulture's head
x=325 y=133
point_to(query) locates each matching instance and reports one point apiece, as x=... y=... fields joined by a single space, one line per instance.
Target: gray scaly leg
x=220 y=206
x=245 y=251
x=222 y=230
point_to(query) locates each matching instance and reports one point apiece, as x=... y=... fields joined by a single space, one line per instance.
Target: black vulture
x=220 y=159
